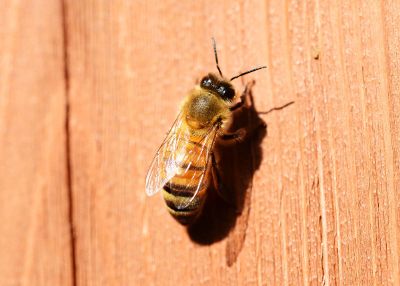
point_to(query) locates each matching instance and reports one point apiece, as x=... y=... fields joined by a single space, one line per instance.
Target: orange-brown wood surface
x=35 y=241
x=88 y=90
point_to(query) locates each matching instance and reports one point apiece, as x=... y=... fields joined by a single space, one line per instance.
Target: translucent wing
x=178 y=157
x=164 y=165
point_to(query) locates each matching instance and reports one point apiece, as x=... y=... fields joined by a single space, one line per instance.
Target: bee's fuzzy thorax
x=202 y=108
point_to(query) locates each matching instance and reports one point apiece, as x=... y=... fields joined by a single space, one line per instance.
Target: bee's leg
x=218 y=185
x=238 y=104
x=243 y=97
x=239 y=135
x=234 y=137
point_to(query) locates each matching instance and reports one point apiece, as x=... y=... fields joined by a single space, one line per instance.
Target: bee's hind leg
x=218 y=185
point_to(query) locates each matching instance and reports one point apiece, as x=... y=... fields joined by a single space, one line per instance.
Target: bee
x=184 y=165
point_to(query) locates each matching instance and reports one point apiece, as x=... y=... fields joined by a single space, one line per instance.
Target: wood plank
x=35 y=233
x=319 y=191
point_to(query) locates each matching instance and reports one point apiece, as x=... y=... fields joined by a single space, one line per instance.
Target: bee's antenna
x=216 y=56
x=252 y=70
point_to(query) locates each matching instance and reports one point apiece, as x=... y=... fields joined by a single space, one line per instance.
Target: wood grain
x=92 y=97
x=322 y=208
x=35 y=231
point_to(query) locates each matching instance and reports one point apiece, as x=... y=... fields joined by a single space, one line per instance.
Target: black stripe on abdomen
x=185 y=209
x=180 y=190
x=190 y=205
x=185 y=215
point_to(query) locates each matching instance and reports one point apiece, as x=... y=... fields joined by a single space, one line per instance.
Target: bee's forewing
x=164 y=165
x=156 y=178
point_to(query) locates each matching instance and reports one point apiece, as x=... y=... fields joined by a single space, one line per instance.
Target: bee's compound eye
x=226 y=91
x=205 y=82
x=221 y=91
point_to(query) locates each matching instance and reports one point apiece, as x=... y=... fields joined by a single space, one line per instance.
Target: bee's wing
x=194 y=168
x=164 y=165
x=176 y=157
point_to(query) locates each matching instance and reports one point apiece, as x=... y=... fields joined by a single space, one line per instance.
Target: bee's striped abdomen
x=179 y=191
x=188 y=214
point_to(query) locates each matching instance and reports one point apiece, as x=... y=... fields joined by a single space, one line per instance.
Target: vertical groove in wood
x=66 y=67
x=35 y=240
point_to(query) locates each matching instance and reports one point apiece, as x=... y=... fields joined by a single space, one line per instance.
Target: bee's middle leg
x=233 y=137
x=228 y=138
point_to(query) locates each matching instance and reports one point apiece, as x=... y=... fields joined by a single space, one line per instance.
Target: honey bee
x=184 y=165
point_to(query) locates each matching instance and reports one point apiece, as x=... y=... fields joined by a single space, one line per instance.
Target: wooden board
x=34 y=206
x=321 y=207
x=321 y=203
x=318 y=192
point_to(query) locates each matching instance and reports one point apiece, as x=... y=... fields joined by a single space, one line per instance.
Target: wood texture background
x=88 y=90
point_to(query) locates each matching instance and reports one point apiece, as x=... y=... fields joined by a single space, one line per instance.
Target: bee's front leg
x=245 y=94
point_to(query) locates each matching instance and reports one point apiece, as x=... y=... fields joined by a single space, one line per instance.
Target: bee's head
x=218 y=86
